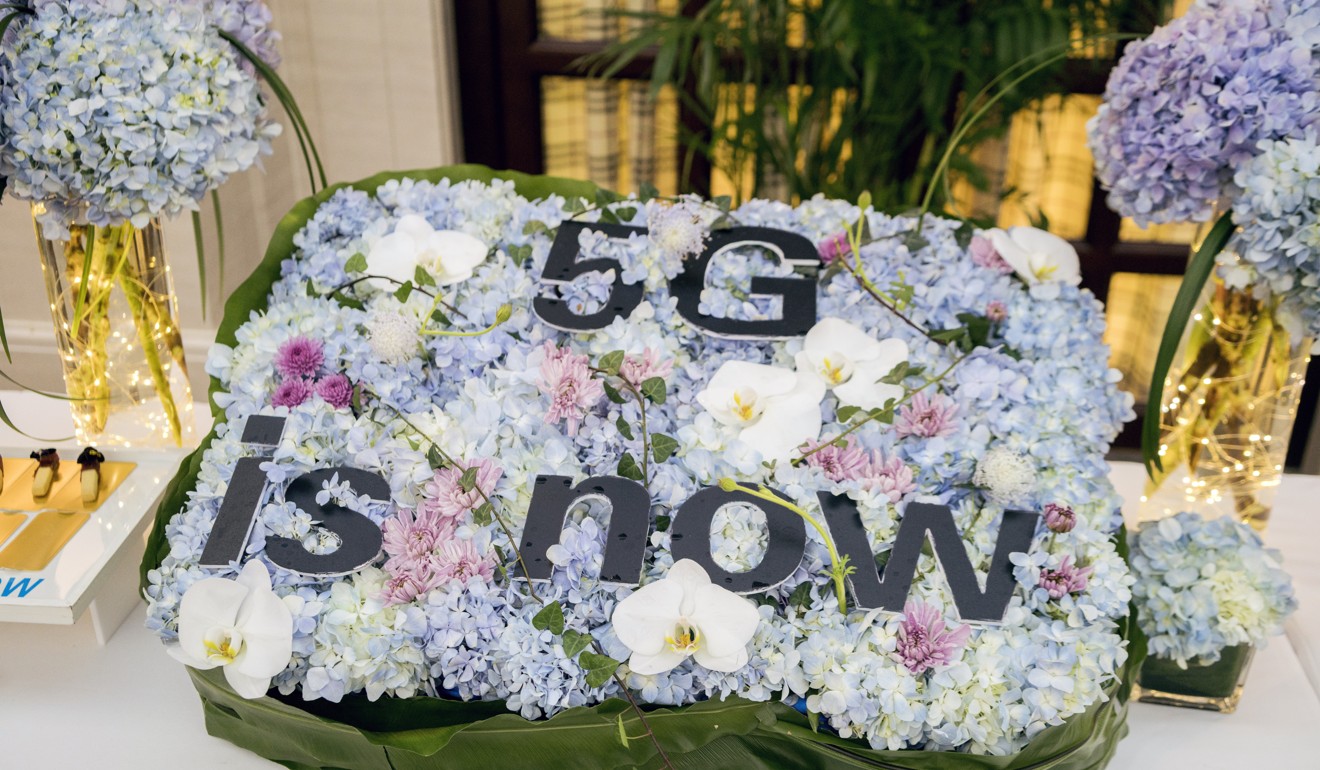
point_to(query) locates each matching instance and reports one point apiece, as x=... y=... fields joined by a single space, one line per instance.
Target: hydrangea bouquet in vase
x=1211 y=119
x=116 y=115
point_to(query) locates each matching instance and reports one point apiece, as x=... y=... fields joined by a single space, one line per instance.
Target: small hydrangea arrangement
x=1206 y=585
x=934 y=373
x=126 y=110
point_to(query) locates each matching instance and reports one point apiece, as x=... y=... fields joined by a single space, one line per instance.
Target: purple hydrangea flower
x=1187 y=106
x=299 y=357
x=983 y=253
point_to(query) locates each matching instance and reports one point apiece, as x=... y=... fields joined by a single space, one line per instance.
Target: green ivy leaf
x=575 y=642
x=626 y=213
x=311 y=288
x=468 y=481
x=662 y=447
x=441 y=318
x=404 y=291
x=722 y=202
x=846 y=413
x=606 y=197
x=422 y=278
x=613 y=394
x=625 y=429
x=433 y=457
x=534 y=226
x=628 y=467
x=520 y=254
x=897 y=374
x=599 y=668
x=654 y=390
x=610 y=362
x=609 y=217
x=550 y=618
x=356 y=264
x=483 y=516
x=801 y=596
x=662 y=523
x=575 y=205
x=346 y=301
x=646 y=191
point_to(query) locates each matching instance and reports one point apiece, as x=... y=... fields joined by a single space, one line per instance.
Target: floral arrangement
x=122 y=111
x=935 y=372
x=1206 y=585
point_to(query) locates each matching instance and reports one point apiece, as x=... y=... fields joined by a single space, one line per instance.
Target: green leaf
x=440 y=318
x=722 y=202
x=813 y=719
x=199 y=243
x=404 y=292
x=346 y=301
x=575 y=642
x=801 y=596
x=623 y=733
x=654 y=389
x=4 y=340
x=468 y=481
x=483 y=516
x=550 y=618
x=626 y=213
x=309 y=286
x=1198 y=272
x=575 y=204
x=662 y=523
x=599 y=668
x=433 y=457
x=534 y=226
x=625 y=429
x=356 y=264
x=846 y=413
x=610 y=362
x=647 y=191
x=896 y=375
x=662 y=447
x=520 y=254
x=613 y=394
x=606 y=197
x=609 y=217
x=628 y=468
x=422 y=278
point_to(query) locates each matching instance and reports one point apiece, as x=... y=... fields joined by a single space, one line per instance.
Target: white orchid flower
x=1042 y=260
x=774 y=410
x=685 y=614
x=851 y=362
x=449 y=256
x=238 y=624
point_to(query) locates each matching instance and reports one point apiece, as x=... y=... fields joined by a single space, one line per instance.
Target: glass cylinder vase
x=1227 y=409
x=116 y=326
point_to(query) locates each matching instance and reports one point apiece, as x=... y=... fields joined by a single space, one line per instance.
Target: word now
x=20 y=586
x=799 y=294
x=627 y=533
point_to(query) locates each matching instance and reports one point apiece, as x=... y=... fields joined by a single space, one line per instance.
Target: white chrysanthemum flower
x=393 y=336
x=1006 y=475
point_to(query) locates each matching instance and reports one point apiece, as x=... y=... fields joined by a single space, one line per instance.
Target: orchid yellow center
x=743 y=405
x=1045 y=271
x=222 y=645
x=685 y=639
x=834 y=369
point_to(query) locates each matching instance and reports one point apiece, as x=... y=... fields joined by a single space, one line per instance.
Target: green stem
x=838 y=568
x=147 y=317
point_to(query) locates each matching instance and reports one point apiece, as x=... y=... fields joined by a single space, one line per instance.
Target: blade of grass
x=199 y=242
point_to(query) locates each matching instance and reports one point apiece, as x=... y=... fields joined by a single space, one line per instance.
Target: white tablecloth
x=66 y=703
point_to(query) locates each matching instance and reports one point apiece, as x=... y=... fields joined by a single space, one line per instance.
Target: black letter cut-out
x=787 y=542
x=562 y=266
x=625 y=538
x=238 y=510
x=799 y=293
x=359 y=537
x=890 y=592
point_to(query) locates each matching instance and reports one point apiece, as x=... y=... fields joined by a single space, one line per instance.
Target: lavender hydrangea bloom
x=1188 y=105
x=131 y=109
x=249 y=22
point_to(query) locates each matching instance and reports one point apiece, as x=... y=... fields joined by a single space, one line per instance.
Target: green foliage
x=599 y=668
x=625 y=429
x=662 y=447
x=654 y=390
x=628 y=467
x=356 y=264
x=575 y=642
x=550 y=618
x=610 y=362
x=845 y=96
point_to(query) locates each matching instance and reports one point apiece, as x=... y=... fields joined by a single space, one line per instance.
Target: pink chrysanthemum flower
x=926 y=417
x=299 y=357
x=890 y=476
x=459 y=560
x=573 y=391
x=1067 y=579
x=840 y=463
x=638 y=369
x=984 y=254
x=833 y=247
x=404 y=587
x=1060 y=518
x=444 y=494
x=411 y=536
x=336 y=390
x=292 y=392
x=924 y=641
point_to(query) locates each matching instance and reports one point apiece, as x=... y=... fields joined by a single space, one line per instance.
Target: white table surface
x=66 y=702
